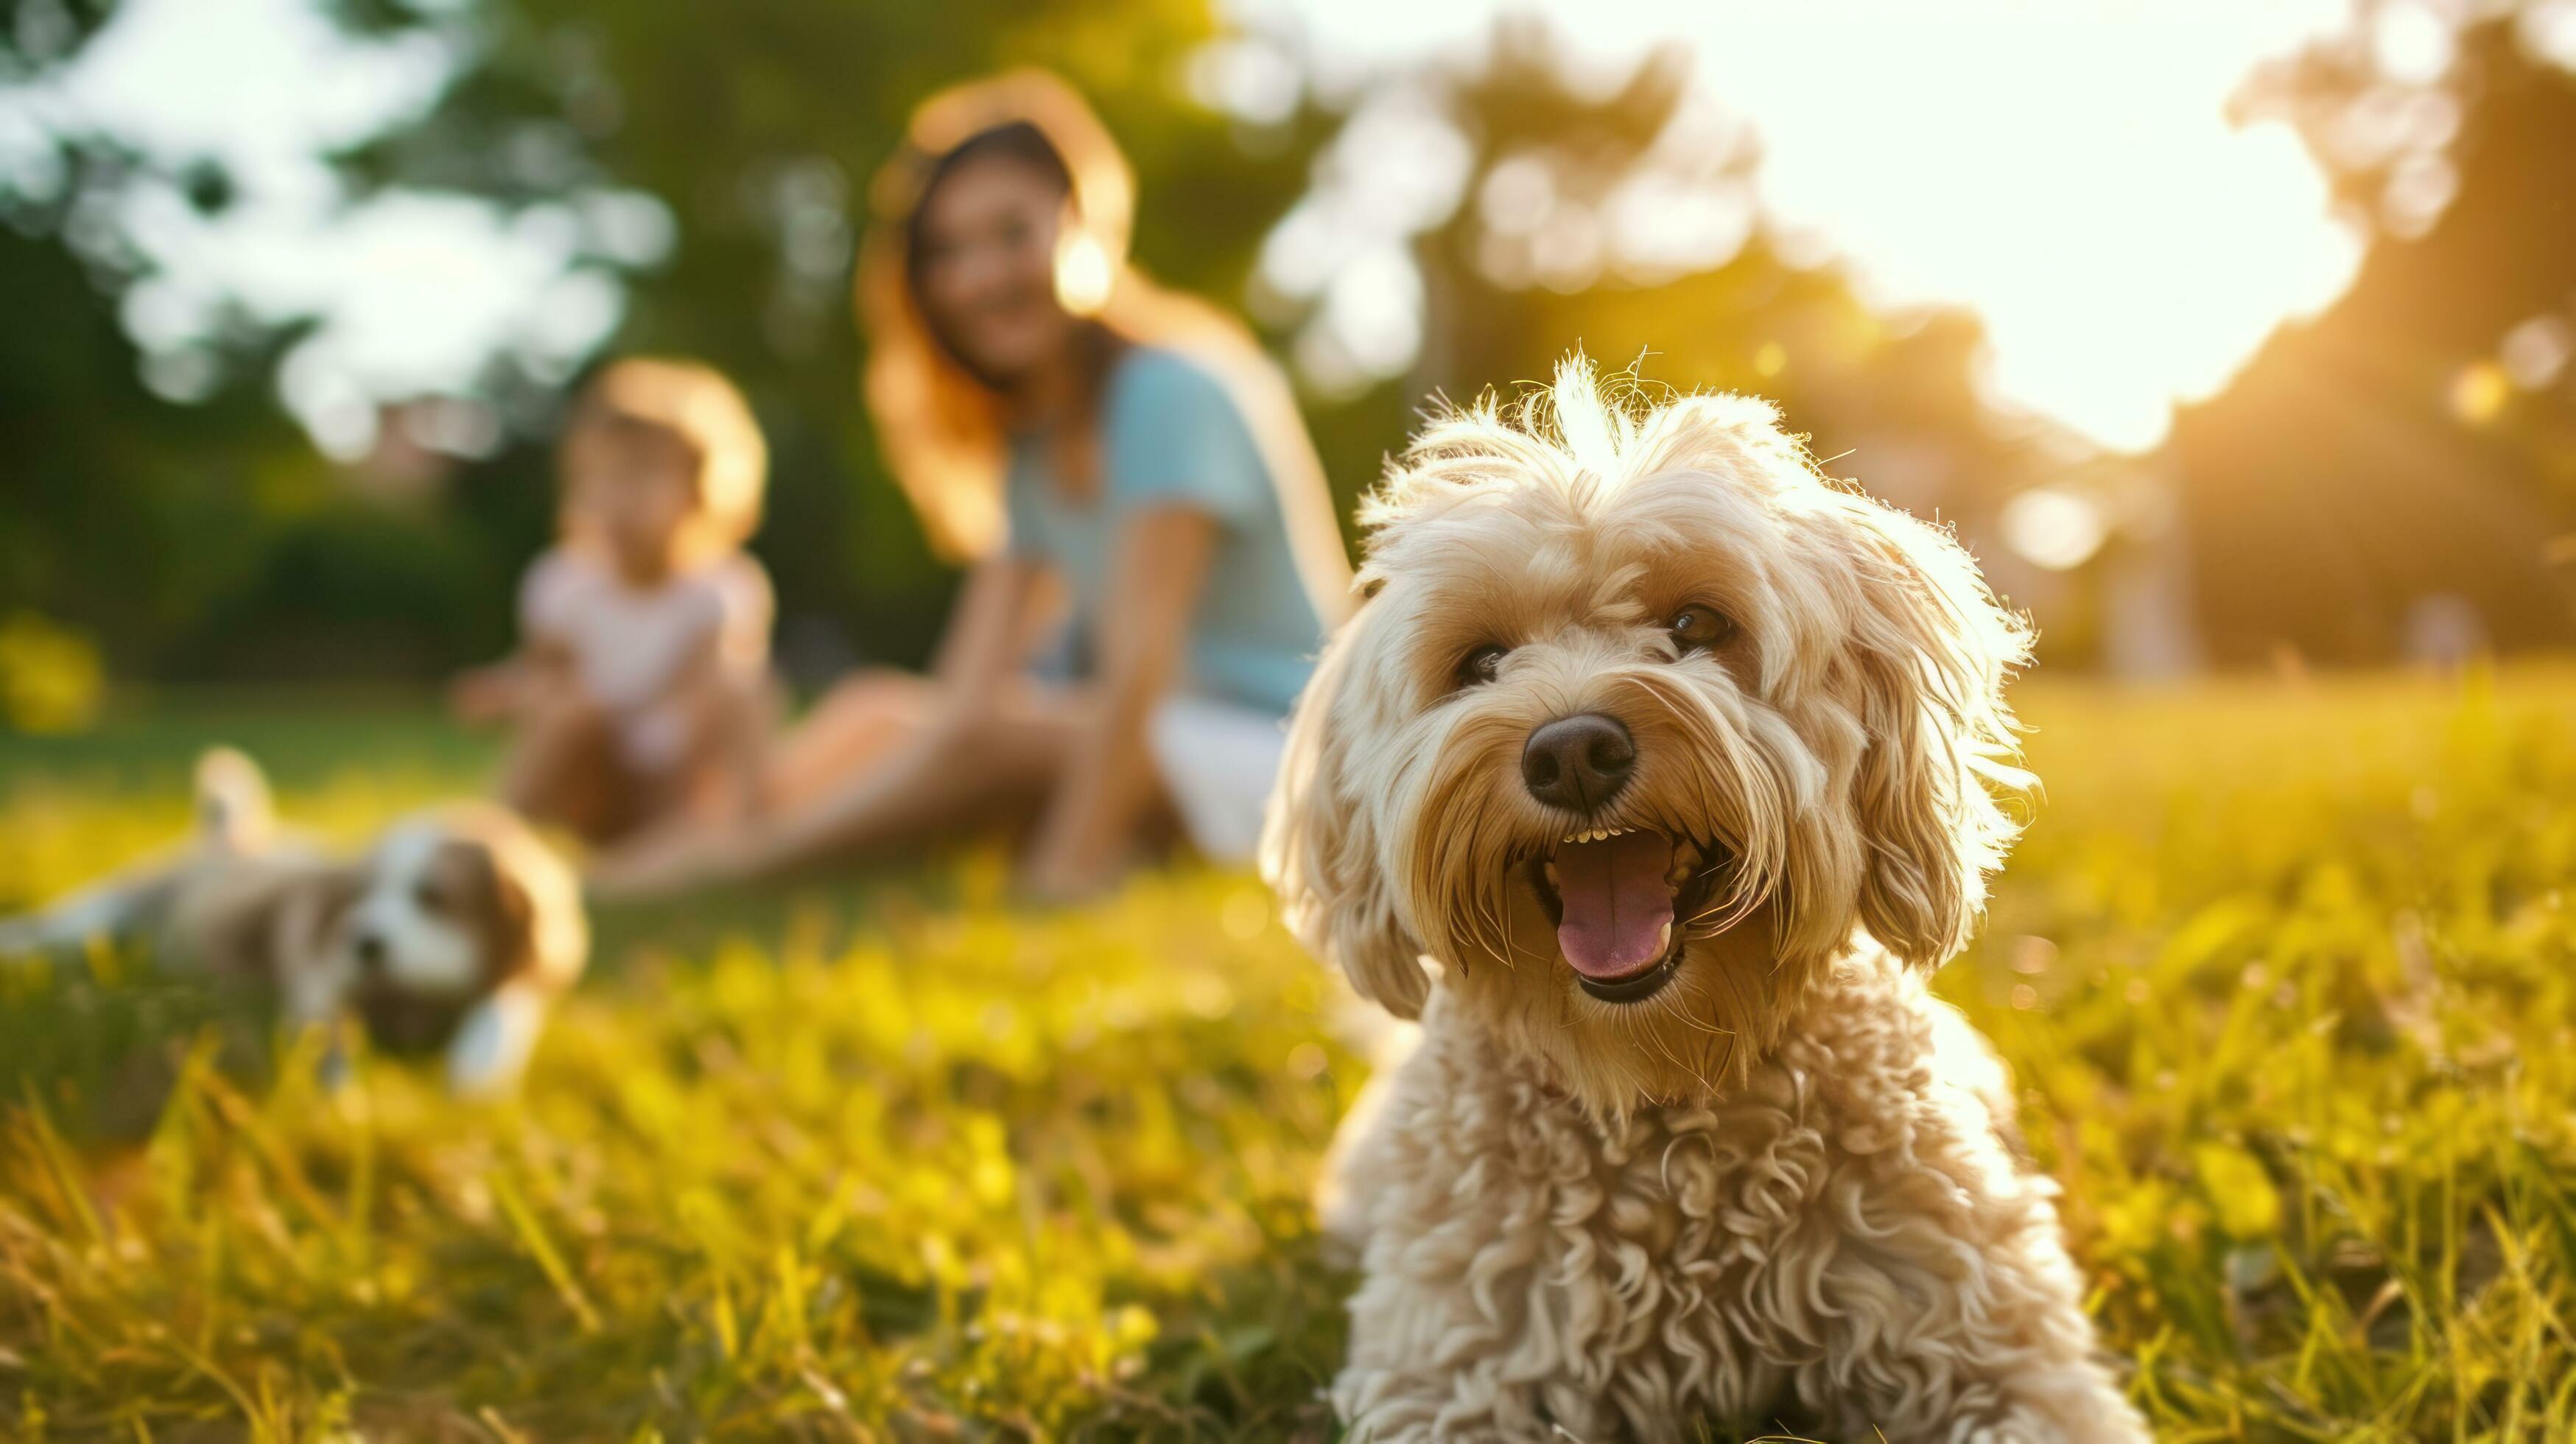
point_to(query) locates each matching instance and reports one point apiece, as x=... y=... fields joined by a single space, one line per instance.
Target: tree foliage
x=2383 y=464
x=208 y=539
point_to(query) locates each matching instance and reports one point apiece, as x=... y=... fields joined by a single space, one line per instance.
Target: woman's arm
x=1006 y=603
x=1161 y=569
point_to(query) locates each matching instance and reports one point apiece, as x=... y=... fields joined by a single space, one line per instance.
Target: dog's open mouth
x=1623 y=899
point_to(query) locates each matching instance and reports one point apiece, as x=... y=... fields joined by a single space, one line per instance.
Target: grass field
x=2285 y=973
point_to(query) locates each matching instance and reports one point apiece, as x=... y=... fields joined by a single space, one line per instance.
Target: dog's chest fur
x=1700 y=1261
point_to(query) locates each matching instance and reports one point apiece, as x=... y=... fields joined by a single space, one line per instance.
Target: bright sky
x=2063 y=166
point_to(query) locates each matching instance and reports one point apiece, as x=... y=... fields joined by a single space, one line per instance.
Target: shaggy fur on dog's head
x=1818 y=739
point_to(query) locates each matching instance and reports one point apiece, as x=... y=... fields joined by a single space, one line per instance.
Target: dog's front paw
x=493 y=1043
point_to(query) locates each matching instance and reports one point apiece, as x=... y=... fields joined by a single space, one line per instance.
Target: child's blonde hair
x=694 y=403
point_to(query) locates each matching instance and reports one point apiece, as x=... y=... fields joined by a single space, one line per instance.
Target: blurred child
x=640 y=692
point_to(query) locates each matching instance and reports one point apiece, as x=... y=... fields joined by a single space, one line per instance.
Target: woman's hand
x=1055 y=876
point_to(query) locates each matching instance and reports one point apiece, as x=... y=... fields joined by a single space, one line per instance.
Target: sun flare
x=2069 y=171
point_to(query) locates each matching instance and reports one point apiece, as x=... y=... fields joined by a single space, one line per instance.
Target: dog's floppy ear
x=1932 y=651
x=1319 y=846
x=507 y=916
x=535 y=929
x=527 y=903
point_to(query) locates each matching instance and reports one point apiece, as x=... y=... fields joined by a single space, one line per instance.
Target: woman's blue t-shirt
x=1171 y=435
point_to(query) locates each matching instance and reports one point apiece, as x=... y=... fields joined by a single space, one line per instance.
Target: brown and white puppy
x=458 y=929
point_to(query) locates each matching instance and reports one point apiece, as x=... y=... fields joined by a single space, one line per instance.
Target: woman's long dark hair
x=1096 y=348
x=1020 y=143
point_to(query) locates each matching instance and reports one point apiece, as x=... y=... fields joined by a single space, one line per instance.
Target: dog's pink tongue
x=1616 y=902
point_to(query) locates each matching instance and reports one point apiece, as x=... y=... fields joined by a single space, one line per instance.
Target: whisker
x=1663 y=1047
x=1714 y=1031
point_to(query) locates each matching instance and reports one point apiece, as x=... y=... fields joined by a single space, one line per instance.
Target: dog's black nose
x=371 y=953
x=1578 y=763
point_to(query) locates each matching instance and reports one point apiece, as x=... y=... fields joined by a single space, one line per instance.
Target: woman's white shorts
x=1218 y=759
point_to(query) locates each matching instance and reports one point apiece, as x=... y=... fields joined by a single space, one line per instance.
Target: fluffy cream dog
x=457 y=930
x=1675 y=761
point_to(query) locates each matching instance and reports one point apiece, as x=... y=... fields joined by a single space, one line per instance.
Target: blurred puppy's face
x=445 y=913
x=1643 y=722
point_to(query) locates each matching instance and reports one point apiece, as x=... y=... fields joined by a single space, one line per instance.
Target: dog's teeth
x=1664 y=939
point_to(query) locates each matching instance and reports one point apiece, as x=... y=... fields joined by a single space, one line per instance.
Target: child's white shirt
x=629 y=645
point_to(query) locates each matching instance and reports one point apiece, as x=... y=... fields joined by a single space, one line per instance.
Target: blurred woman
x=1153 y=553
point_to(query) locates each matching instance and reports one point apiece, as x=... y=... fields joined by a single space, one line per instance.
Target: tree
x=1623 y=219
x=2401 y=468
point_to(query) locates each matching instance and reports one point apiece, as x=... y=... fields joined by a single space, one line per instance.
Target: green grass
x=2285 y=974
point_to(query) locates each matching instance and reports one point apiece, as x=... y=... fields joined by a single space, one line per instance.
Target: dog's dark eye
x=1697 y=628
x=1481 y=665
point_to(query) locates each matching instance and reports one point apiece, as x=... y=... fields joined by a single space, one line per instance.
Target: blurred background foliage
x=2394 y=477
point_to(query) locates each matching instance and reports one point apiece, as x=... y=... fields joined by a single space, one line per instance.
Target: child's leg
x=746 y=717
x=564 y=768
x=858 y=721
x=721 y=775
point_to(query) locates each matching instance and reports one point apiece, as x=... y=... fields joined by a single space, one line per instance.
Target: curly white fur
x=1775 y=1185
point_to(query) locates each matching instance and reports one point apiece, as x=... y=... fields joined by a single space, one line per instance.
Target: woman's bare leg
x=724 y=777
x=925 y=780
x=931 y=781
x=858 y=721
x=736 y=769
